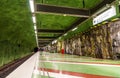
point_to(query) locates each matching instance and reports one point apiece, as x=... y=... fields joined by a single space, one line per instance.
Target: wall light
x=59 y=37
x=115 y=19
x=104 y=22
x=65 y=34
x=64 y=15
x=35 y=28
x=55 y=41
x=34 y=19
x=74 y=29
x=52 y=42
x=35 y=32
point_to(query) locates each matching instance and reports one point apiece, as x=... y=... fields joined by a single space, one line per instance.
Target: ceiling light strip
x=74 y=29
x=31 y=2
x=34 y=19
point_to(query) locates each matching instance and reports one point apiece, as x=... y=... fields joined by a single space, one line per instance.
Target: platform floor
x=56 y=65
x=25 y=70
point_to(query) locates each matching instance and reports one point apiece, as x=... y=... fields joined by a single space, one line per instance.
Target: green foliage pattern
x=16 y=30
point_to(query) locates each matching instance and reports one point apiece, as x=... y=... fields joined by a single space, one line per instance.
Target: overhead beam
x=50 y=31
x=45 y=40
x=102 y=4
x=42 y=45
x=39 y=37
x=62 y=10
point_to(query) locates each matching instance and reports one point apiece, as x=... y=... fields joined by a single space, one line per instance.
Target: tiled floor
x=56 y=65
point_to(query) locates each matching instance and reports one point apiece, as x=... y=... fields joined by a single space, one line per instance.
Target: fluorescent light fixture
x=55 y=41
x=31 y=2
x=65 y=34
x=74 y=29
x=115 y=19
x=32 y=8
x=64 y=15
x=37 y=41
x=34 y=19
x=59 y=37
x=35 y=28
x=104 y=22
x=35 y=32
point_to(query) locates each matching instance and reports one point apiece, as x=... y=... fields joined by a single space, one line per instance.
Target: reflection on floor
x=56 y=65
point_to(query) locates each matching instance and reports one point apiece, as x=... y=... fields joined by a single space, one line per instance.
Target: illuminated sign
x=105 y=15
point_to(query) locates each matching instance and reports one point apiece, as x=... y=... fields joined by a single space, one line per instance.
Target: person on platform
x=36 y=49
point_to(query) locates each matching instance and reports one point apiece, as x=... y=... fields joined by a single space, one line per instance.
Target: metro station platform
x=87 y=32
x=56 y=65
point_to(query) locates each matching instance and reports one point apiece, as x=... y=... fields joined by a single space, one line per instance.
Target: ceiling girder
x=42 y=45
x=50 y=31
x=39 y=37
x=45 y=40
x=62 y=10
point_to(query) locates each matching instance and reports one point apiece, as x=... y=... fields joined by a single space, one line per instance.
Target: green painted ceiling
x=71 y=3
x=50 y=21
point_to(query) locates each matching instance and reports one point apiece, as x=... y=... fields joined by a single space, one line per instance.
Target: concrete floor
x=25 y=70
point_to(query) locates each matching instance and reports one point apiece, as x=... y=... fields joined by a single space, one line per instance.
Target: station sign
x=105 y=15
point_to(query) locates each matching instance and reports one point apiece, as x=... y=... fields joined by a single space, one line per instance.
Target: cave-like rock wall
x=99 y=42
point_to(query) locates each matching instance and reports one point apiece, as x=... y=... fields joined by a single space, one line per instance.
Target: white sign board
x=105 y=15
